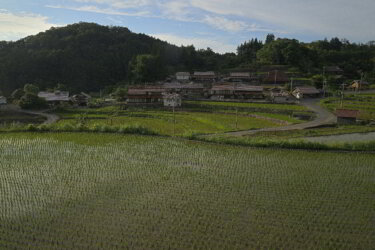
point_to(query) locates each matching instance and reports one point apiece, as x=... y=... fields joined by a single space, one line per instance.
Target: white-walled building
x=182 y=76
x=172 y=100
x=3 y=100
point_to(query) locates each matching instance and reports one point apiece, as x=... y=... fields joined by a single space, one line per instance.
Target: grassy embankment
x=76 y=191
x=188 y=120
x=365 y=103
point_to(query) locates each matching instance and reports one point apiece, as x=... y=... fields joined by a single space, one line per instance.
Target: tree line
x=91 y=57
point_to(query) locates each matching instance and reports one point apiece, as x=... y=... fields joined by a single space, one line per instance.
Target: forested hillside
x=89 y=57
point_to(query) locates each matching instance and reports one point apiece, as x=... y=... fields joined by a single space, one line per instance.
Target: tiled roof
x=347 y=113
x=233 y=87
x=55 y=96
x=183 y=86
x=182 y=74
x=208 y=73
x=240 y=74
x=307 y=90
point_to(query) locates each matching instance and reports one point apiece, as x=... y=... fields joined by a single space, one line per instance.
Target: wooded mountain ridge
x=90 y=57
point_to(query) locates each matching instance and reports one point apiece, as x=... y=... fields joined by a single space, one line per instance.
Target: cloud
x=119 y=4
x=344 y=18
x=225 y=24
x=15 y=26
x=198 y=42
x=95 y=9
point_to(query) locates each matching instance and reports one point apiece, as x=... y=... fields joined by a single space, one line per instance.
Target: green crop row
x=111 y=191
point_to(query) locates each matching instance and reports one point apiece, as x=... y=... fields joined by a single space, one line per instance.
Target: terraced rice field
x=91 y=191
x=365 y=103
x=164 y=122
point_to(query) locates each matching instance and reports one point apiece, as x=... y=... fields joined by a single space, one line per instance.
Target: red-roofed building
x=346 y=116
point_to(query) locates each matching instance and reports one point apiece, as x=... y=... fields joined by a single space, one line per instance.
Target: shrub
x=32 y=101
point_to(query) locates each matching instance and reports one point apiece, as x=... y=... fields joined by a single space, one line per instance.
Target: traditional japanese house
x=187 y=90
x=359 y=85
x=56 y=97
x=208 y=76
x=145 y=94
x=346 y=116
x=172 y=100
x=239 y=77
x=236 y=91
x=276 y=77
x=182 y=76
x=3 y=100
x=306 y=91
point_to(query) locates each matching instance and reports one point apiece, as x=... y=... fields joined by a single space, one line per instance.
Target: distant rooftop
x=347 y=113
x=55 y=96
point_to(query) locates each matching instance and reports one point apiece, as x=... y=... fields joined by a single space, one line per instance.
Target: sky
x=221 y=25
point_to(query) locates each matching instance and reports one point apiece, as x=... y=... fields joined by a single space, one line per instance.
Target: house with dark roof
x=333 y=70
x=145 y=94
x=346 y=116
x=281 y=97
x=239 y=77
x=359 y=85
x=182 y=76
x=186 y=90
x=276 y=77
x=172 y=100
x=208 y=76
x=56 y=97
x=3 y=100
x=236 y=91
x=305 y=92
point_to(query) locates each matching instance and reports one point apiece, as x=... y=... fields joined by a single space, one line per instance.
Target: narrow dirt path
x=323 y=117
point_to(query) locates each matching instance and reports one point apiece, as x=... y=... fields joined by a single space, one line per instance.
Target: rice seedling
x=108 y=191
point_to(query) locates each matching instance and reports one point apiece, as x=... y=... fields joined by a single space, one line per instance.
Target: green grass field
x=91 y=191
x=365 y=103
x=265 y=106
x=163 y=121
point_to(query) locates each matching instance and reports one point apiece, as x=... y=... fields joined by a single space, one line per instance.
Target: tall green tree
x=146 y=68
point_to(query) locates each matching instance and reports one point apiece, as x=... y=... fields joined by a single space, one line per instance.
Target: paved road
x=323 y=117
x=50 y=118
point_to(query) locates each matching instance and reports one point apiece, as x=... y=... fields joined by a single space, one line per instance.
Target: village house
x=332 y=70
x=145 y=95
x=187 y=90
x=346 y=116
x=276 y=77
x=236 y=91
x=357 y=85
x=81 y=99
x=57 y=97
x=205 y=77
x=3 y=100
x=281 y=97
x=239 y=77
x=172 y=100
x=182 y=76
x=305 y=91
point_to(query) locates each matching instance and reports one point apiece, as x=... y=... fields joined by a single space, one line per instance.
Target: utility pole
x=236 y=118
x=324 y=81
x=291 y=84
x=360 y=83
x=174 y=119
x=342 y=95
x=275 y=77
